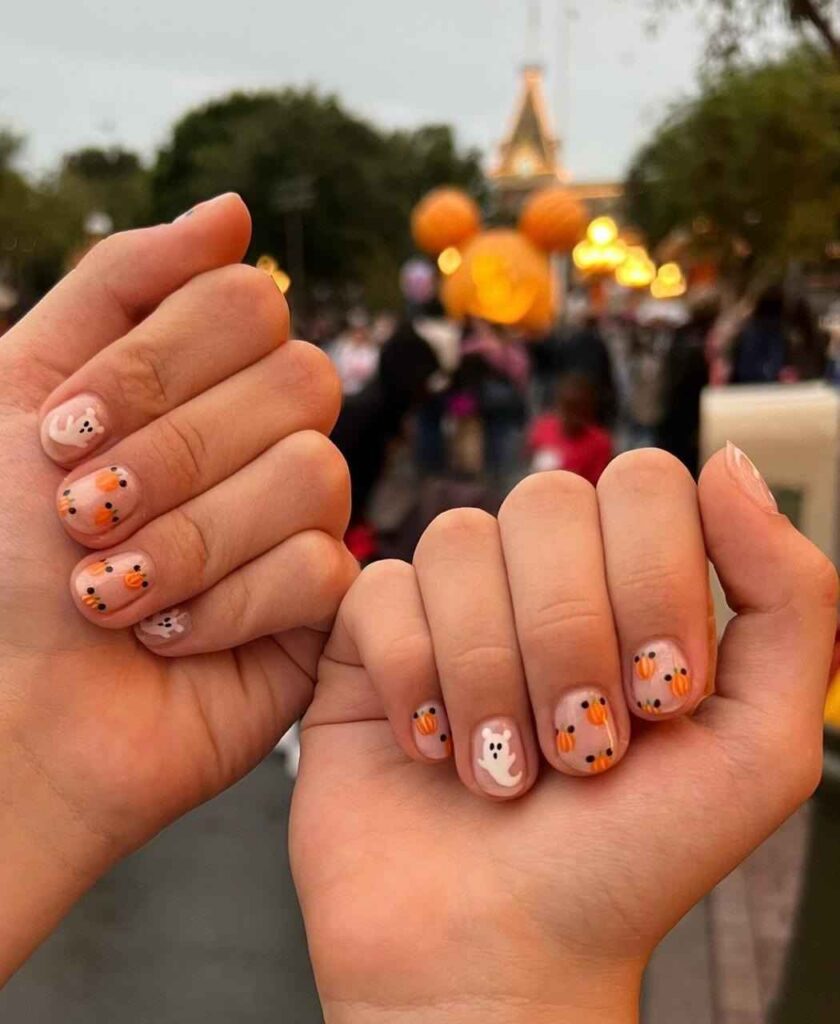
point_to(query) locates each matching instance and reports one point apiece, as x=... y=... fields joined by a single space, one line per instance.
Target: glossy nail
x=499 y=757
x=75 y=428
x=661 y=679
x=431 y=731
x=584 y=731
x=748 y=478
x=164 y=627
x=97 y=502
x=198 y=206
x=112 y=583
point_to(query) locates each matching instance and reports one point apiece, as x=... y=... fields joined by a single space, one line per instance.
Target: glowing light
x=669 y=282
x=602 y=231
x=449 y=260
x=269 y=265
x=638 y=270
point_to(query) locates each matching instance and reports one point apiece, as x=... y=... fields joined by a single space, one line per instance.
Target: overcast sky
x=80 y=72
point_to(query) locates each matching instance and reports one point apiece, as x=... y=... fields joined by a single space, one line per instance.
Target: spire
x=532 y=42
x=528 y=156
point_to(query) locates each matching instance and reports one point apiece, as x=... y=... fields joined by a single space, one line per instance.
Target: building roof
x=529 y=153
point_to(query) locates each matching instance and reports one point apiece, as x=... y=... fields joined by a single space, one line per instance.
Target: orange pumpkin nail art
x=565 y=739
x=431 y=731
x=96 y=503
x=661 y=682
x=586 y=735
x=111 y=583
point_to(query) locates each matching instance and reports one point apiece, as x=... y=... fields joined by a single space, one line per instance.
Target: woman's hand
x=184 y=442
x=428 y=894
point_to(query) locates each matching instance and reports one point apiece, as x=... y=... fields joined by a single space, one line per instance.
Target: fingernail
x=431 y=731
x=98 y=501
x=198 y=206
x=584 y=731
x=748 y=478
x=499 y=757
x=164 y=627
x=112 y=583
x=661 y=679
x=75 y=428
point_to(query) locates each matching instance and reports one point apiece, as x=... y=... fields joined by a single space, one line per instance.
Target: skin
x=428 y=901
x=103 y=742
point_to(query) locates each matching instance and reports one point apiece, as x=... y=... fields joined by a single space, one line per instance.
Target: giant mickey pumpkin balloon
x=504 y=275
x=444 y=217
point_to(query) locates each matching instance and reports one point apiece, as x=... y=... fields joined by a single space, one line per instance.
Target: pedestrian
x=570 y=438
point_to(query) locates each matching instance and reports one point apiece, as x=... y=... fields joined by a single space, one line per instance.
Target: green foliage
x=301 y=161
x=752 y=165
x=111 y=181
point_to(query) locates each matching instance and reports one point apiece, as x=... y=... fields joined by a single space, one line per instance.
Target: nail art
x=74 y=428
x=163 y=627
x=748 y=478
x=97 y=502
x=431 y=731
x=499 y=757
x=584 y=730
x=112 y=583
x=661 y=679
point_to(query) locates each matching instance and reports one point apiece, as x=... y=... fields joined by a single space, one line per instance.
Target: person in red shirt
x=570 y=438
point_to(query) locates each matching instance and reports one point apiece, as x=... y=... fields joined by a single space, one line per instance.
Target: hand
x=428 y=894
x=201 y=477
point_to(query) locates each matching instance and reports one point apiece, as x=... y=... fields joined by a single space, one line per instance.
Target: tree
x=730 y=24
x=749 y=168
x=307 y=167
x=111 y=181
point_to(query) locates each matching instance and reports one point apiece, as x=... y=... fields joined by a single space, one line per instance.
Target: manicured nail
x=499 y=757
x=661 y=679
x=431 y=731
x=584 y=731
x=75 y=428
x=114 y=582
x=198 y=206
x=164 y=627
x=97 y=502
x=748 y=478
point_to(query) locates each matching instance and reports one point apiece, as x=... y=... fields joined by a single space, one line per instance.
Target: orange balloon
x=444 y=217
x=503 y=279
x=553 y=219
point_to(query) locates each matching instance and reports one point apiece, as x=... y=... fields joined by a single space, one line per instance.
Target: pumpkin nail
x=430 y=726
x=661 y=680
x=748 y=478
x=585 y=735
x=75 y=428
x=499 y=757
x=111 y=583
x=97 y=502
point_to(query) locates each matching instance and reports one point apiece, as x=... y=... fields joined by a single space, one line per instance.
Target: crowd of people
x=438 y=413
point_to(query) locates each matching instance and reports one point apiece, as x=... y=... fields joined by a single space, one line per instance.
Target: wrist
x=49 y=853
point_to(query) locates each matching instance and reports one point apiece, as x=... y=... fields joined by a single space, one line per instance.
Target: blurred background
x=531 y=234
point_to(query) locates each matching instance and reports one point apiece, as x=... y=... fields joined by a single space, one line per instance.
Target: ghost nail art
x=499 y=757
x=74 y=428
x=431 y=731
x=98 y=502
x=585 y=734
x=163 y=627
x=661 y=680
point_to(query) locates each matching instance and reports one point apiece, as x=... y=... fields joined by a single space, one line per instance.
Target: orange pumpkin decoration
x=134 y=579
x=104 y=515
x=444 y=217
x=426 y=723
x=97 y=568
x=601 y=763
x=645 y=665
x=65 y=503
x=597 y=711
x=553 y=219
x=681 y=682
x=92 y=600
x=107 y=480
x=447 y=746
x=565 y=741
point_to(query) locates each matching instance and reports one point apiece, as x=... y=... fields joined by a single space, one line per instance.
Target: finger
x=299 y=484
x=383 y=627
x=551 y=536
x=199 y=444
x=216 y=324
x=116 y=285
x=461 y=572
x=658 y=579
x=256 y=600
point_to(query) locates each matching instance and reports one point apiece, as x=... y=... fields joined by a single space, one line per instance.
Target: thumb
x=775 y=654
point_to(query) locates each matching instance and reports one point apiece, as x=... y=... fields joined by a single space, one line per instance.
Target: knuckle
x=182 y=448
x=141 y=378
x=820 y=575
x=323 y=464
x=563 y=622
x=457 y=526
x=485 y=661
x=545 y=492
x=314 y=378
x=191 y=536
x=408 y=656
x=643 y=472
x=379 y=575
x=332 y=568
x=252 y=295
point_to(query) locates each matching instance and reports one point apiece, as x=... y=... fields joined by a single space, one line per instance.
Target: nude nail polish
x=75 y=428
x=112 y=583
x=585 y=734
x=164 y=627
x=99 y=501
x=661 y=680
x=431 y=731
x=499 y=757
x=748 y=478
